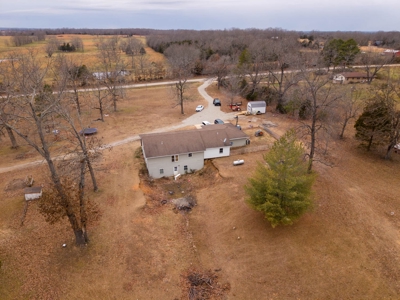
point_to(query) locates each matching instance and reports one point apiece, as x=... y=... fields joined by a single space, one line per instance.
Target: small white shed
x=256 y=107
x=32 y=193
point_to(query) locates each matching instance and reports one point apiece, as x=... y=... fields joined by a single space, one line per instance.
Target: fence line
x=249 y=149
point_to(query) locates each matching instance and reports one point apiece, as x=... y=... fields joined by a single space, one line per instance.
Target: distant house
x=256 y=107
x=350 y=76
x=391 y=52
x=177 y=152
x=32 y=193
x=105 y=75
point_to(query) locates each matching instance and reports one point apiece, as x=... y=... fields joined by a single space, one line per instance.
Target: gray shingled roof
x=189 y=141
x=33 y=190
x=355 y=75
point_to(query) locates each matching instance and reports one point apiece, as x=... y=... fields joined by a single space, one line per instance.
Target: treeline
x=226 y=42
x=223 y=42
x=19 y=39
x=58 y=31
x=161 y=39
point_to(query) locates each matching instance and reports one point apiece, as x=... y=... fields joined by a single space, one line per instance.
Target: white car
x=199 y=107
x=205 y=123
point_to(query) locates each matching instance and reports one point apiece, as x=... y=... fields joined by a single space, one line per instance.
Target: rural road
x=210 y=113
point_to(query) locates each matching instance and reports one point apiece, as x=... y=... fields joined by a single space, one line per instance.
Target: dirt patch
x=204 y=285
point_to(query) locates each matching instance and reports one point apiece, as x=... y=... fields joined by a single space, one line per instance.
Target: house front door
x=176 y=170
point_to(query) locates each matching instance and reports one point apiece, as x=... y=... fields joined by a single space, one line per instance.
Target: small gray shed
x=256 y=107
x=32 y=193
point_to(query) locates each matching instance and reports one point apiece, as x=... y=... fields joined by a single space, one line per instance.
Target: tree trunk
x=79 y=238
x=78 y=105
x=312 y=149
x=57 y=183
x=343 y=128
x=180 y=88
x=94 y=181
x=10 y=133
x=370 y=142
x=313 y=133
x=115 y=103
x=101 y=111
x=389 y=151
x=82 y=202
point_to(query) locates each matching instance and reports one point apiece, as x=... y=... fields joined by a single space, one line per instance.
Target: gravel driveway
x=209 y=113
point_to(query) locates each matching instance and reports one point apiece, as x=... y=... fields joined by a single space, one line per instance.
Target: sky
x=299 y=15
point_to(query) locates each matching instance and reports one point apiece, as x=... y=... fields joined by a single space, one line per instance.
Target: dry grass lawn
x=345 y=248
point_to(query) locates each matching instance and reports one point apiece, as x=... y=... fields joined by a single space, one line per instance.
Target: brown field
x=88 y=56
x=345 y=248
x=133 y=117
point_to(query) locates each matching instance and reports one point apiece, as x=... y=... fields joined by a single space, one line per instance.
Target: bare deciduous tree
x=319 y=99
x=78 y=43
x=349 y=107
x=218 y=66
x=34 y=106
x=6 y=89
x=373 y=62
x=113 y=68
x=73 y=76
x=282 y=55
x=51 y=46
x=100 y=96
x=182 y=59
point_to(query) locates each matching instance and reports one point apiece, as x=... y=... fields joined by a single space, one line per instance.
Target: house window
x=175 y=169
x=174 y=158
x=185 y=168
x=221 y=150
x=190 y=154
x=161 y=171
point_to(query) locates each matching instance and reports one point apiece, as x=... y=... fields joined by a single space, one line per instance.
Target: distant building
x=350 y=76
x=32 y=193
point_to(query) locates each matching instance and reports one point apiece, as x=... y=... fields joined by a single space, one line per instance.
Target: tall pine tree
x=281 y=189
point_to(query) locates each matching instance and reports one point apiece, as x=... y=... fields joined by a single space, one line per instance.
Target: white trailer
x=256 y=107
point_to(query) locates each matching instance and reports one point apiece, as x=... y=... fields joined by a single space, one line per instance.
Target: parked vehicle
x=217 y=102
x=218 y=121
x=235 y=108
x=259 y=133
x=205 y=123
x=256 y=107
x=199 y=108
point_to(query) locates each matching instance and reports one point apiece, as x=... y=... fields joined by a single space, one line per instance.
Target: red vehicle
x=235 y=108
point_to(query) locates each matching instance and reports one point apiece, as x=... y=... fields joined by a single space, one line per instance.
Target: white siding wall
x=214 y=152
x=32 y=196
x=196 y=162
x=239 y=143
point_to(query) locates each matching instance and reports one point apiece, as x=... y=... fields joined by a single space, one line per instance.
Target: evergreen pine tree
x=281 y=189
x=373 y=127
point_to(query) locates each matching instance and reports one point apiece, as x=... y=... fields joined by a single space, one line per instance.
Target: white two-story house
x=178 y=152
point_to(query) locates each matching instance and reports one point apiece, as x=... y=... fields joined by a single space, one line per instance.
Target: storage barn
x=32 y=193
x=256 y=107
